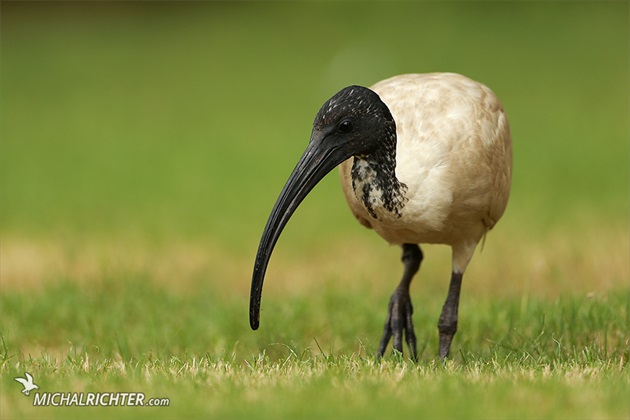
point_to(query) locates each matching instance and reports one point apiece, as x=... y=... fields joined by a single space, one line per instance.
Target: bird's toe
x=399 y=323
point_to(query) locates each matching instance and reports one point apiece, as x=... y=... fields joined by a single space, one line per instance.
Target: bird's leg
x=448 y=319
x=400 y=308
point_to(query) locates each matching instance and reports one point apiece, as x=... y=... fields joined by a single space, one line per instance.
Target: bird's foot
x=399 y=322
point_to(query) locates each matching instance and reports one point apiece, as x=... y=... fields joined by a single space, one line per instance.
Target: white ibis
x=425 y=158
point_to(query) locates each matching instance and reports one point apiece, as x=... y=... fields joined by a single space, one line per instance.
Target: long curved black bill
x=317 y=161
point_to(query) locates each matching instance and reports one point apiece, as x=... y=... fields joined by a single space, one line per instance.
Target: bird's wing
x=29 y=377
x=22 y=381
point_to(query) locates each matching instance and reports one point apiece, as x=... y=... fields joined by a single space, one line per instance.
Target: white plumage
x=454 y=153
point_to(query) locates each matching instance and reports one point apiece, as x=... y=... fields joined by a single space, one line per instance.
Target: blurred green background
x=183 y=120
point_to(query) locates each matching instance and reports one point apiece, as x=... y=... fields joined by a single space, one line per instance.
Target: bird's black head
x=354 y=119
x=354 y=122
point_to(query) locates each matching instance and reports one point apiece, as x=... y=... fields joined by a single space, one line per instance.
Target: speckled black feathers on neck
x=371 y=135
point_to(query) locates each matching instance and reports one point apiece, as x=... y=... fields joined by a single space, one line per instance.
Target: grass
x=142 y=146
x=351 y=386
x=108 y=319
x=570 y=354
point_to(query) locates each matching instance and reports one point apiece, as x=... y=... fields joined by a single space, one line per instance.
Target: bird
x=27 y=383
x=423 y=159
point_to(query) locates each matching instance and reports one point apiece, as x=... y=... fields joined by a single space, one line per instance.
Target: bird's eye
x=345 y=126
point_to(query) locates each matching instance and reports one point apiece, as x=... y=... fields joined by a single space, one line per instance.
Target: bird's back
x=454 y=154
